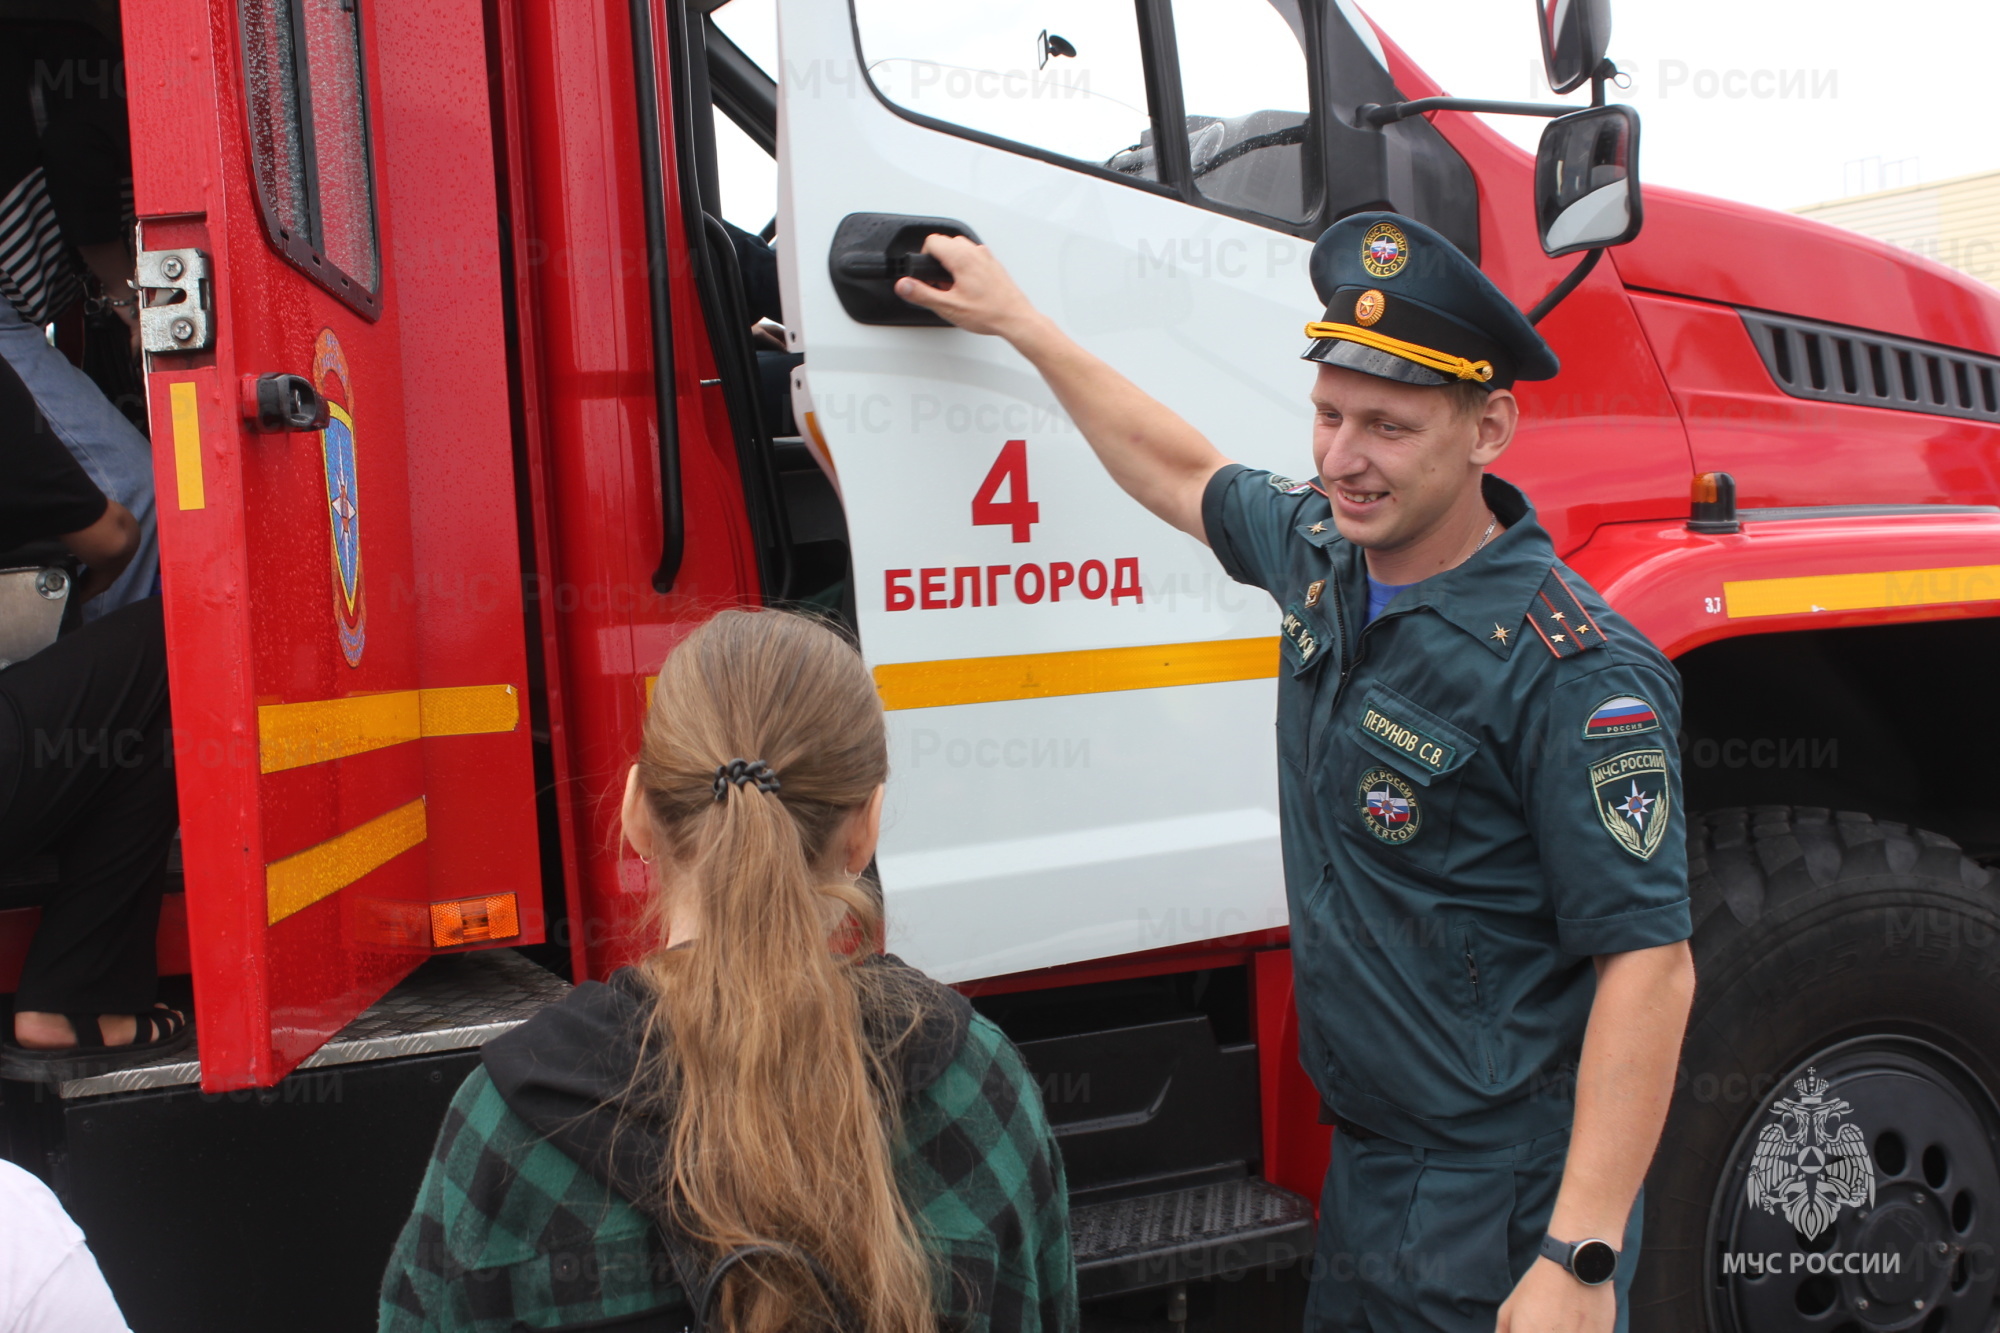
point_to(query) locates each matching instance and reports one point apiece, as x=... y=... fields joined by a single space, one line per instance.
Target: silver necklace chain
x=1493 y=521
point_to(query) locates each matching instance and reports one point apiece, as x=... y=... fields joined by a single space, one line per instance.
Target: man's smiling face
x=1396 y=459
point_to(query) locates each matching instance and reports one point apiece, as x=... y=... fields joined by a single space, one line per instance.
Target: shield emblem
x=1633 y=799
x=343 y=495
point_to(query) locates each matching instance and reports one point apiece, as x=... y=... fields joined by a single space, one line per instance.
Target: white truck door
x=1080 y=700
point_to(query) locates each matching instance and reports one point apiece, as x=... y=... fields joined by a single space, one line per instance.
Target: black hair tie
x=742 y=772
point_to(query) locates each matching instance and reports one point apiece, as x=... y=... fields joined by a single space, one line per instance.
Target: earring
x=645 y=860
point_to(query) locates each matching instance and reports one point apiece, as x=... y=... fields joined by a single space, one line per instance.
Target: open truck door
x=328 y=389
x=1079 y=697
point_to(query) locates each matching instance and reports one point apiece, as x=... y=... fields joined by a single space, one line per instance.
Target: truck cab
x=467 y=402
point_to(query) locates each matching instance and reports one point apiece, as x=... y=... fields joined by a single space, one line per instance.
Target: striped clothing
x=36 y=276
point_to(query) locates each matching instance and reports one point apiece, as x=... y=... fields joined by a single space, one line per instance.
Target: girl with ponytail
x=766 y=1125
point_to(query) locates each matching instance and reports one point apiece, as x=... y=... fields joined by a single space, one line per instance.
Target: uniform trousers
x=1414 y=1241
x=86 y=773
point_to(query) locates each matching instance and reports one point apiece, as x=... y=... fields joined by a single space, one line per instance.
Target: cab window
x=1243 y=86
x=1065 y=78
x=307 y=105
x=1207 y=99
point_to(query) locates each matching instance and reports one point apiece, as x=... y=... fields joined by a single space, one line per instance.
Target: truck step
x=1204 y=1231
x=451 y=1003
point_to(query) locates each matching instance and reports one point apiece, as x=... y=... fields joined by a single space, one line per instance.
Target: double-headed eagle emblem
x=1807 y=1165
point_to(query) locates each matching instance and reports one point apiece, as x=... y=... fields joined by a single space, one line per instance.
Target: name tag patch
x=1418 y=744
x=1387 y=802
x=1299 y=633
x=1620 y=715
x=1632 y=799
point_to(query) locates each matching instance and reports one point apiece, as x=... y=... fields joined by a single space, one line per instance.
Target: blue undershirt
x=1380 y=593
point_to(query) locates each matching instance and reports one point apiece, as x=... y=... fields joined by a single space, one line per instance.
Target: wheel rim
x=1929 y=1130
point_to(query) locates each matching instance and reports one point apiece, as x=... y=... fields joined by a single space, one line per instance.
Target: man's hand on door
x=982 y=297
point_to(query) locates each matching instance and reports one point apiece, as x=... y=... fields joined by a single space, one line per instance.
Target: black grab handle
x=871 y=250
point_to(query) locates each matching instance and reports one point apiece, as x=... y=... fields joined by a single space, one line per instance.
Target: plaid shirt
x=510 y=1232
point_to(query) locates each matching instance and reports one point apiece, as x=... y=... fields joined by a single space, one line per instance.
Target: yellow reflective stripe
x=981 y=680
x=468 y=710
x=1442 y=362
x=302 y=879
x=293 y=735
x=185 y=401
x=1861 y=592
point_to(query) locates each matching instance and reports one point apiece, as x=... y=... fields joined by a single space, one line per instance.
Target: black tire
x=1871 y=951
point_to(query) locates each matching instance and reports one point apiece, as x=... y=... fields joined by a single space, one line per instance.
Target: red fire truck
x=463 y=413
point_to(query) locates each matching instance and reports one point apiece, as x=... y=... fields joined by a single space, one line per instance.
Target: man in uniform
x=1479 y=785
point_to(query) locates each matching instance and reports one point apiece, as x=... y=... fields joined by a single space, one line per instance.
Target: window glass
x=1060 y=75
x=1243 y=86
x=753 y=26
x=749 y=177
x=309 y=137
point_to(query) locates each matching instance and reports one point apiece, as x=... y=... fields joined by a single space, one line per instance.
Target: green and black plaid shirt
x=510 y=1232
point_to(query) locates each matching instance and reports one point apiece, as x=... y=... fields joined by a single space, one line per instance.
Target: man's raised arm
x=1159 y=459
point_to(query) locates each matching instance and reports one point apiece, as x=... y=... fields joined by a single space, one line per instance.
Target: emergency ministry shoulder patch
x=1632 y=798
x=1286 y=486
x=1387 y=802
x=1620 y=715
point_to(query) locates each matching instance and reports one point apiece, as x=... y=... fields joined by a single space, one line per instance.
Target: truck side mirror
x=1587 y=180
x=1575 y=34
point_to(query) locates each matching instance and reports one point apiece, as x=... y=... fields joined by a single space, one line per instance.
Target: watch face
x=1594 y=1262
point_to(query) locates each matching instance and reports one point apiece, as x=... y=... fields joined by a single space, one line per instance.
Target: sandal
x=161 y=1031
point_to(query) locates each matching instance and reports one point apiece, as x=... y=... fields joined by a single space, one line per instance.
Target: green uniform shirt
x=1479 y=791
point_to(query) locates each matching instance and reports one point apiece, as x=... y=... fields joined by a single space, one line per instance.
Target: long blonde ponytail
x=782 y=1112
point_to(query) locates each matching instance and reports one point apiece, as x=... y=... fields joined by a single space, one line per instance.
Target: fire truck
x=463 y=415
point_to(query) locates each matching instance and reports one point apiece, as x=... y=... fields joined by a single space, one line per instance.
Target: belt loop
x=1418 y=1154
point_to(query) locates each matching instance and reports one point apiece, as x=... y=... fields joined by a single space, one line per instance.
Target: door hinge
x=179 y=322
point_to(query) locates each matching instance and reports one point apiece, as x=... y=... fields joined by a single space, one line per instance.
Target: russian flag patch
x=1621 y=715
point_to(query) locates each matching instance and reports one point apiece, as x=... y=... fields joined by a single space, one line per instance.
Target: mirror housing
x=1587 y=181
x=1575 y=35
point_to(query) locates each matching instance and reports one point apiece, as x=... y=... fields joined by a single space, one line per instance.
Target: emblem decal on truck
x=343 y=494
x=1384 y=250
x=1807 y=1165
x=1388 y=805
x=1631 y=794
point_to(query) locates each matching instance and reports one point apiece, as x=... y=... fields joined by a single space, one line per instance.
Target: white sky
x=1772 y=102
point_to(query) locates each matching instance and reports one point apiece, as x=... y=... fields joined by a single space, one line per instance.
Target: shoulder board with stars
x=1560 y=618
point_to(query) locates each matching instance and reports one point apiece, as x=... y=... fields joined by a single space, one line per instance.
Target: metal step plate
x=451 y=1003
x=1206 y=1231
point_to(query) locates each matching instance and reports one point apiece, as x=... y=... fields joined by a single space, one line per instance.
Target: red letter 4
x=1017 y=511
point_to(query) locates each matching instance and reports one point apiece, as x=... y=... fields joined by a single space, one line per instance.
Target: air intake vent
x=1835 y=364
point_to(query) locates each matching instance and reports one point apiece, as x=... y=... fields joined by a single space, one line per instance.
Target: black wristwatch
x=1591 y=1262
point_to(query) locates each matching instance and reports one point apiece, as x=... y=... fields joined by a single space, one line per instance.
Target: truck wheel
x=1830 y=1161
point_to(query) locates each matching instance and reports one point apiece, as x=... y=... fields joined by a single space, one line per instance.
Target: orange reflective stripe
x=302 y=879
x=312 y=732
x=978 y=680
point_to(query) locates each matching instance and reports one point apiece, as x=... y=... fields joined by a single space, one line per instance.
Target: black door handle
x=273 y=403
x=856 y=264
x=872 y=250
